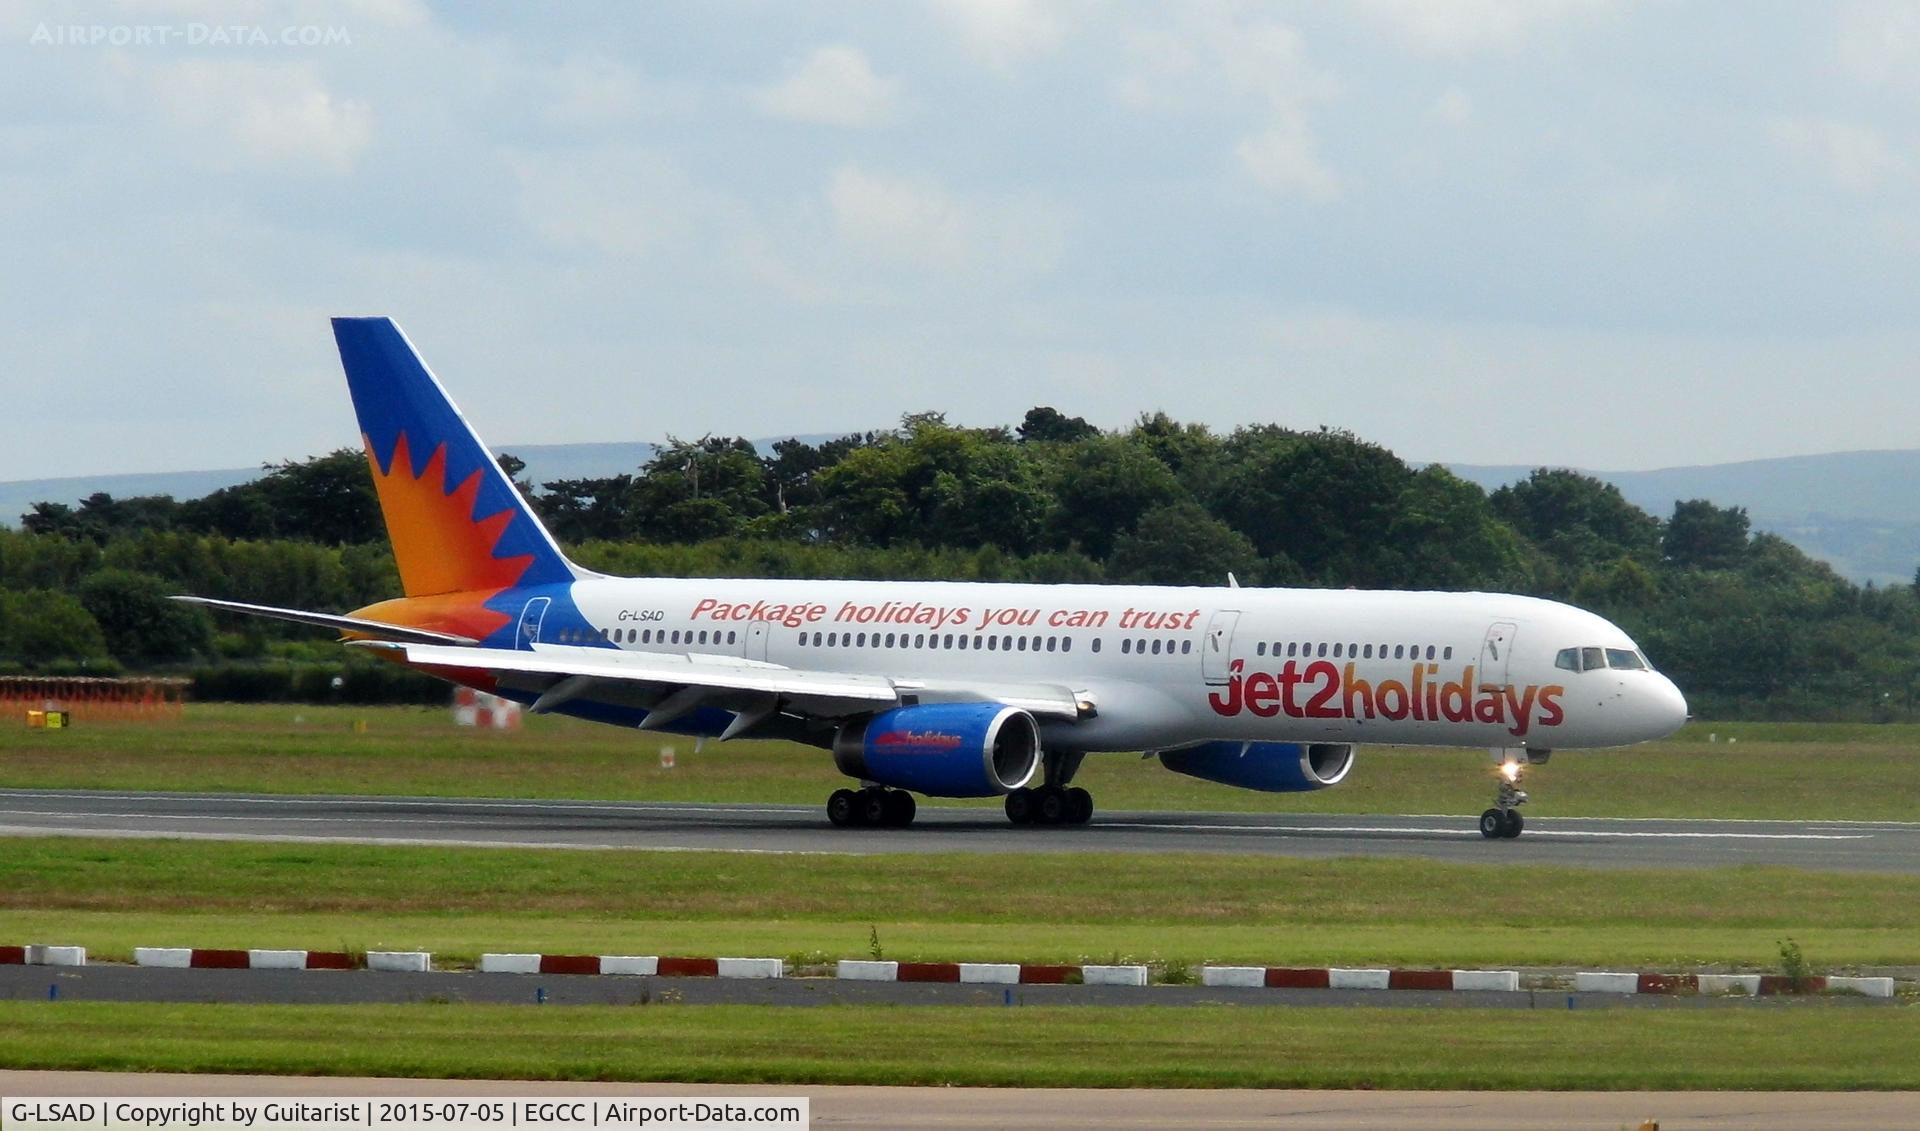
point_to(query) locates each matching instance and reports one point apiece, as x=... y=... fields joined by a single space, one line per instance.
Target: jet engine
x=1272 y=767
x=943 y=749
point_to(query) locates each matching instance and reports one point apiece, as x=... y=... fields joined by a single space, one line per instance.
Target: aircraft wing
x=668 y=685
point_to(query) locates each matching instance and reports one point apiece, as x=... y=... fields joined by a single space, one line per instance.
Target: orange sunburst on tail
x=442 y=550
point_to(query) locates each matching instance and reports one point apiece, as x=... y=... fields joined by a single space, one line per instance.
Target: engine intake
x=1271 y=767
x=943 y=749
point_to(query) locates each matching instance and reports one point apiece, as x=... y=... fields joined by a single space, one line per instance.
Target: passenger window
x=992 y=643
x=1293 y=649
x=1126 y=646
x=949 y=640
x=1066 y=644
x=1052 y=644
x=1156 y=647
x=1323 y=649
x=1623 y=658
x=1006 y=643
x=1567 y=658
x=1096 y=644
x=1261 y=650
x=1593 y=659
x=1336 y=651
x=1448 y=653
x=1186 y=647
x=1023 y=643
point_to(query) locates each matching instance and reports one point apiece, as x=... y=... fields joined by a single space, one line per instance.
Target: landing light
x=1510 y=771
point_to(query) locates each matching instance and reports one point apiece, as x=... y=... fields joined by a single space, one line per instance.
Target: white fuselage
x=1166 y=666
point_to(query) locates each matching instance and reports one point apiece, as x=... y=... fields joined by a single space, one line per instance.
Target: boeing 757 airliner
x=954 y=689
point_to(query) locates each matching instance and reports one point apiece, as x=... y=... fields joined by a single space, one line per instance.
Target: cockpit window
x=1569 y=658
x=1593 y=659
x=1625 y=658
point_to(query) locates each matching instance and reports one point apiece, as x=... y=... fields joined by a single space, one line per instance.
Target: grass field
x=1787 y=771
x=113 y=895
x=1799 y=1045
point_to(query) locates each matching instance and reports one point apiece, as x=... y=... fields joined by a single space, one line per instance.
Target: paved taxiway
x=981 y=1109
x=1876 y=846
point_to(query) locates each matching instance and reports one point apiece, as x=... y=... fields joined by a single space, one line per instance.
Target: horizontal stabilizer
x=356 y=625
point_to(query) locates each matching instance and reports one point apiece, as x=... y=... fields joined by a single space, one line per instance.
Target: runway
x=1868 y=846
x=968 y=1109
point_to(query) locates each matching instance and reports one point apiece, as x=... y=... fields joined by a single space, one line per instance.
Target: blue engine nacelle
x=943 y=749
x=1272 y=767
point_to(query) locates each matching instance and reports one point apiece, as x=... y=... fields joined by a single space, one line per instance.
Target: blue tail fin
x=456 y=521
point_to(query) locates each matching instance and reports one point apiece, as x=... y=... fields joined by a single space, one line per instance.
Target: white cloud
x=1454 y=107
x=834 y=86
x=1855 y=157
x=617 y=201
x=1002 y=32
x=1879 y=42
x=1283 y=156
x=917 y=221
x=269 y=115
x=1466 y=27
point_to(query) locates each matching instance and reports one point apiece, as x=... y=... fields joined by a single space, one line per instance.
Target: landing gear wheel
x=899 y=807
x=1079 y=806
x=873 y=807
x=1050 y=805
x=1020 y=806
x=843 y=808
x=1511 y=823
x=1493 y=824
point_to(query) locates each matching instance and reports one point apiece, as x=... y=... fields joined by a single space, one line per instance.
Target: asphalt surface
x=363 y=987
x=1872 y=846
x=992 y=1109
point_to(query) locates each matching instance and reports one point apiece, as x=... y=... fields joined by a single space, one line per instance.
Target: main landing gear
x=1050 y=805
x=873 y=807
x=1055 y=803
x=1503 y=821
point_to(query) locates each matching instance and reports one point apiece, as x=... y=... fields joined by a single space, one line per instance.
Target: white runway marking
x=1531 y=832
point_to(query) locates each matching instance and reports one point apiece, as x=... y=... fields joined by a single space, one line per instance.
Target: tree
x=1579 y=521
x=1703 y=536
x=137 y=621
x=1102 y=487
x=1047 y=425
x=1181 y=544
x=1324 y=499
x=1445 y=536
x=39 y=627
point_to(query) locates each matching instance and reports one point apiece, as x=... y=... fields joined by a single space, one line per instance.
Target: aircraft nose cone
x=1669 y=706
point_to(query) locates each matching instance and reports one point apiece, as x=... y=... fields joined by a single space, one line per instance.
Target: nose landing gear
x=1503 y=821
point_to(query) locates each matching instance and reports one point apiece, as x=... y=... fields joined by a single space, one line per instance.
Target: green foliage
x=1744 y=622
x=139 y=624
x=46 y=629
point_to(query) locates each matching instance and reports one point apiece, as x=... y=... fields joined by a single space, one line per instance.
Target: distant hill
x=1859 y=511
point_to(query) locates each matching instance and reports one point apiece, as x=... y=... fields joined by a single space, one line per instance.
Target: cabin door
x=1216 y=652
x=756 y=640
x=531 y=618
x=1495 y=653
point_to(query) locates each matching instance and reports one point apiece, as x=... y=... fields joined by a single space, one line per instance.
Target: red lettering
x=1289 y=680
x=1456 y=698
x=1550 y=713
x=1231 y=703
x=1392 y=697
x=1263 y=695
x=1489 y=708
x=1319 y=706
x=703 y=607
x=1522 y=710
x=1418 y=714
x=1433 y=693
x=1356 y=689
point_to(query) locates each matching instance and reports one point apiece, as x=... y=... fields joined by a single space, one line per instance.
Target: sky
x=1605 y=234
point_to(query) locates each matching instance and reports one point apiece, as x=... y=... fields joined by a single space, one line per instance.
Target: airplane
x=961 y=689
